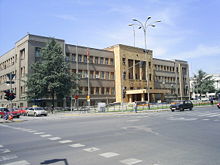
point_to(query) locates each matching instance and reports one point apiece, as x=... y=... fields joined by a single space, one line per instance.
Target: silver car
x=36 y=111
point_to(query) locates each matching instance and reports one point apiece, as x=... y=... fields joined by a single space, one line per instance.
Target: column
x=134 y=75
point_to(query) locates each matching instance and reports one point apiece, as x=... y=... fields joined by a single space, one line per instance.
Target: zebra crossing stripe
x=55 y=138
x=109 y=154
x=65 y=141
x=130 y=161
x=7 y=157
x=22 y=162
x=92 y=149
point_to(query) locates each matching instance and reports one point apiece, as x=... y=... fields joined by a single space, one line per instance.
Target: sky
x=189 y=29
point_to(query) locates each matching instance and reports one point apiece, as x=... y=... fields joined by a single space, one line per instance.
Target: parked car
x=36 y=111
x=218 y=105
x=22 y=110
x=15 y=113
x=181 y=105
x=11 y=112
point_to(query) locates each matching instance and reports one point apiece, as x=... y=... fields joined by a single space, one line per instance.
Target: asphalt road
x=155 y=138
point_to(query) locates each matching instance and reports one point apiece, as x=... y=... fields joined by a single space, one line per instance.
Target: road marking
x=131 y=161
x=47 y=135
x=214 y=115
x=55 y=138
x=4 y=150
x=22 y=162
x=77 y=145
x=205 y=119
x=65 y=141
x=92 y=149
x=31 y=131
x=39 y=133
x=109 y=154
x=7 y=157
x=1 y=146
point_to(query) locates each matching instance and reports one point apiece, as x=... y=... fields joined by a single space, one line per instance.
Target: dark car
x=218 y=105
x=181 y=105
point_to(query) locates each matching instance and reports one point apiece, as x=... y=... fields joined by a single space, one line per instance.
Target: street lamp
x=132 y=25
x=144 y=27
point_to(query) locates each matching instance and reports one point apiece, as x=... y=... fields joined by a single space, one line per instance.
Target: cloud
x=200 y=51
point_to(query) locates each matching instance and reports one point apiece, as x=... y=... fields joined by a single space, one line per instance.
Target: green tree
x=50 y=76
x=203 y=83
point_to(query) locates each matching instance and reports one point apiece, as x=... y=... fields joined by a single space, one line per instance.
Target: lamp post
x=144 y=27
x=132 y=25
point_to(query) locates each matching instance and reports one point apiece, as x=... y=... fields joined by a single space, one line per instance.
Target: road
x=155 y=138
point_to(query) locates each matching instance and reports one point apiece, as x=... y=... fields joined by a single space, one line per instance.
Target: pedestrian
x=135 y=107
x=52 y=108
x=211 y=101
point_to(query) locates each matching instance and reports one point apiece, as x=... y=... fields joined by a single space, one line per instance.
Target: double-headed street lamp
x=144 y=27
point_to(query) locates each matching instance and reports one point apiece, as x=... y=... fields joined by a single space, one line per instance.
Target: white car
x=36 y=111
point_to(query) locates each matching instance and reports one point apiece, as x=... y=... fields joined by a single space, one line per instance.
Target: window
x=102 y=90
x=80 y=58
x=73 y=57
x=123 y=61
x=111 y=61
x=85 y=59
x=91 y=59
x=96 y=74
x=97 y=90
x=102 y=75
x=107 y=91
x=92 y=90
x=22 y=54
x=37 y=52
x=107 y=76
x=91 y=74
x=112 y=76
x=96 y=60
x=124 y=75
x=106 y=61
x=101 y=60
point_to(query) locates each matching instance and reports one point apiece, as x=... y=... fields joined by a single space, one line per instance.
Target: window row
x=90 y=59
x=165 y=79
x=95 y=74
x=98 y=90
x=165 y=68
x=10 y=62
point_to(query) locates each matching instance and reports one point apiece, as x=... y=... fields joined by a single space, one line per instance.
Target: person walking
x=135 y=107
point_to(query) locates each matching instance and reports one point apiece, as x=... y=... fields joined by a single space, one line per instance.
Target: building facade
x=118 y=73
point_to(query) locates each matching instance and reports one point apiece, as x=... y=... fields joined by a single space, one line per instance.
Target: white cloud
x=200 y=51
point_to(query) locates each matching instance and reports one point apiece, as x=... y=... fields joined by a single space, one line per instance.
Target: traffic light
x=12 y=96
x=7 y=94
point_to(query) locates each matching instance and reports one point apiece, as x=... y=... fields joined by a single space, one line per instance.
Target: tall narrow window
x=101 y=60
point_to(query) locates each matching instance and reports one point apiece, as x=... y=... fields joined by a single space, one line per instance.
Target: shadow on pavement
x=55 y=161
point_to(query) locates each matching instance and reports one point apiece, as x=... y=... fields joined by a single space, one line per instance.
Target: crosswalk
x=205 y=116
x=8 y=158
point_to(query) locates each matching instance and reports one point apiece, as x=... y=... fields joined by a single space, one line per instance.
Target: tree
x=203 y=83
x=50 y=75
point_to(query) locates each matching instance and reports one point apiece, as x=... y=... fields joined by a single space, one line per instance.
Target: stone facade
x=118 y=73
